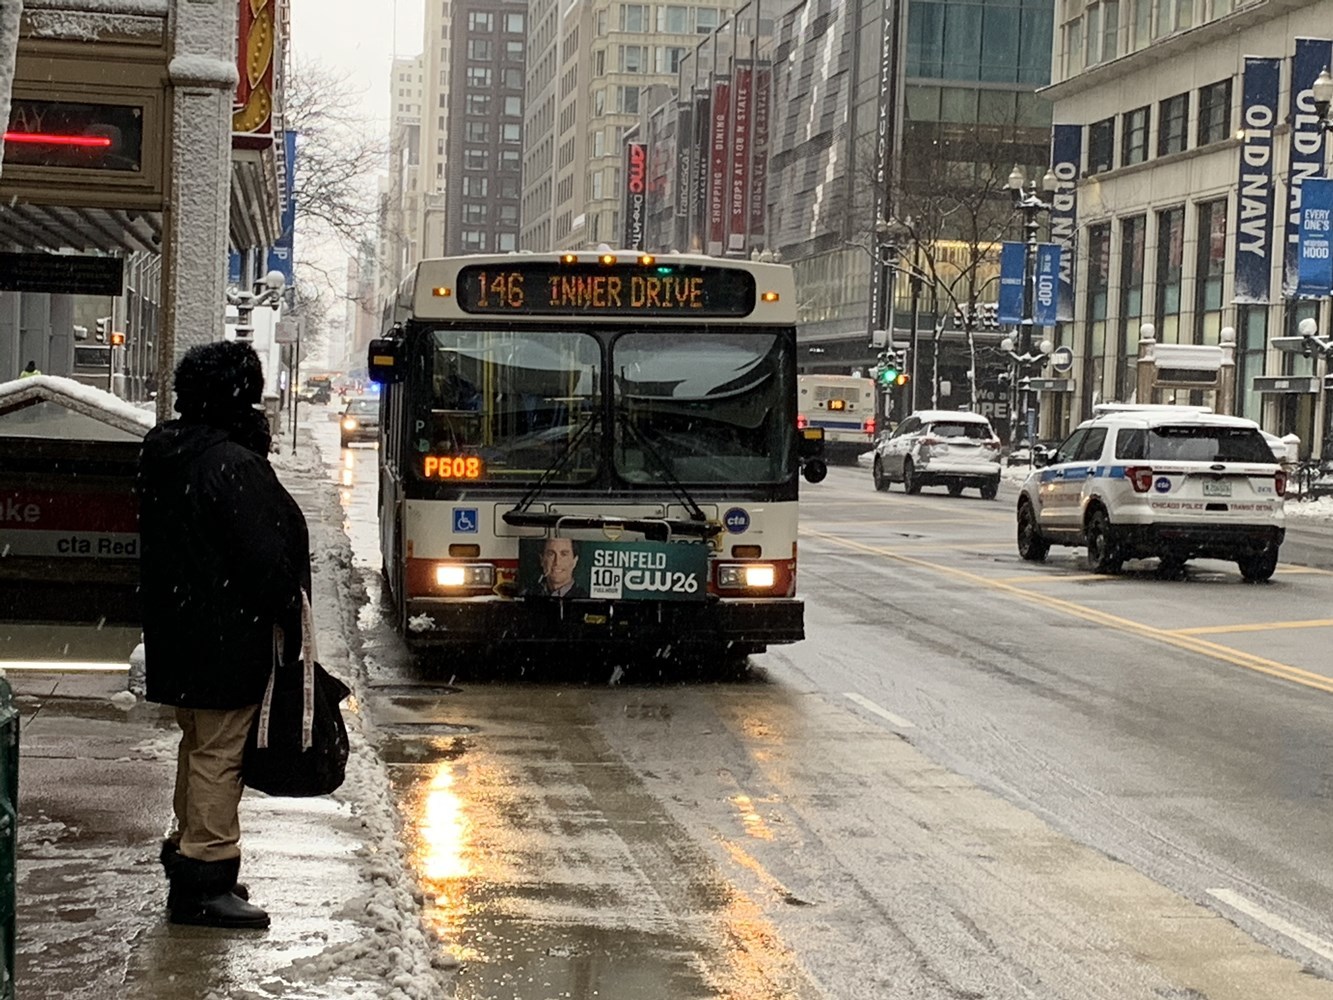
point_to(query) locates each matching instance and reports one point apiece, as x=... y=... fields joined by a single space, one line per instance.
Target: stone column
x=202 y=74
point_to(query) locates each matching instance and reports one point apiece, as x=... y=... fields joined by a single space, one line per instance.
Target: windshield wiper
x=560 y=462
x=664 y=467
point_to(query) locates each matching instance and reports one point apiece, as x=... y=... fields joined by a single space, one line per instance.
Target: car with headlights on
x=1171 y=482
x=950 y=448
x=360 y=420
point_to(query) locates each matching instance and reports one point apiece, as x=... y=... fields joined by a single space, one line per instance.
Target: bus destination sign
x=547 y=288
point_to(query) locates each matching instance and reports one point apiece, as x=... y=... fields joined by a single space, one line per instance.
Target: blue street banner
x=1254 y=229
x=233 y=268
x=1045 y=285
x=1307 y=142
x=1066 y=155
x=1315 y=265
x=1009 y=309
x=280 y=254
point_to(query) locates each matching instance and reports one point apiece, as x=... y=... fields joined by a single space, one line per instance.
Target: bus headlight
x=752 y=576
x=465 y=575
x=349 y=424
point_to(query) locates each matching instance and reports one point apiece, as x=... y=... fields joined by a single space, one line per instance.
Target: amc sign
x=636 y=193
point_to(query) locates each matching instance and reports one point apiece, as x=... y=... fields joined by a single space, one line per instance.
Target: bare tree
x=953 y=210
x=338 y=155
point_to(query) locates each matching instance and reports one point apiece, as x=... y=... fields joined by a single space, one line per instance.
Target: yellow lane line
x=1257 y=627
x=1303 y=571
x=1026 y=581
x=1189 y=643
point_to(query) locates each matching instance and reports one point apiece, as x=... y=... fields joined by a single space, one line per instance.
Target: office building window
x=1101 y=146
x=474 y=212
x=478 y=104
x=513 y=79
x=475 y=158
x=1208 y=271
x=478 y=76
x=477 y=131
x=476 y=187
x=511 y=132
x=1214 y=112
x=509 y=159
x=1173 y=124
x=513 y=50
x=1133 y=233
x=474 y=239
x=629 y=100
x=480 y=21
x=705 y=20
x=631 y=59
x=514 y=107
x=1099 y=284
x=1170 y=272
x=634 y=17
x=673 y=19
x=514 y=24
x=479 y=49
x=1134 y=137
x=505 y=242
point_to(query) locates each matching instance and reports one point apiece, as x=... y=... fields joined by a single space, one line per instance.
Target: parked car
x=940 y=448
x=1175 y=483
x=360 y=420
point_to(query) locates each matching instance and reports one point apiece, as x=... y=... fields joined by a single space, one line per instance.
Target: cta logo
x=737 y=520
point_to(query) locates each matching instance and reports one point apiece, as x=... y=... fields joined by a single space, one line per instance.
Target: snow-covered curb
x=406 y=958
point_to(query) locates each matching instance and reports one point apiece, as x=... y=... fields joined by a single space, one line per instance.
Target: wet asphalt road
x=976 y=778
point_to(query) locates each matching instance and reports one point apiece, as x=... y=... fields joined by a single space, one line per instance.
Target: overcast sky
x=358 y=38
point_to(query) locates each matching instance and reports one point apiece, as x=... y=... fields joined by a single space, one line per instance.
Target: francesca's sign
x=88 y=525
x=612 y=571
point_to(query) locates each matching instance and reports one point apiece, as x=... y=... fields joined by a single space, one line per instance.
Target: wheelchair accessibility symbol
x=466 y=521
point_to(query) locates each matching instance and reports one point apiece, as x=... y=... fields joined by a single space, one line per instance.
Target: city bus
x=844 y=406
x=596 y=447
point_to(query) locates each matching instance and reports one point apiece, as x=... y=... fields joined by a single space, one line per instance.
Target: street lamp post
x=1021 y=363
x=1028 y=200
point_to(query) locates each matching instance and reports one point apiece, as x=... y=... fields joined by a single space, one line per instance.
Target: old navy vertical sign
x=1012 y=265
x=1307 y=142
x=1045 y=285
x=1066 y=155
x=1315 y=265
x=1254 y=228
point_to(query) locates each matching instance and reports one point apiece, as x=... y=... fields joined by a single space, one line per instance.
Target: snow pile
x=405 y=957
x=149 y=8
x=202 y=69
x=1310 y=510
x=92 y=27
x=306 y=461
x=96 y=403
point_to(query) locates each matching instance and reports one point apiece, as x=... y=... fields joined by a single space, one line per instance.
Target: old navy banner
x=1254 y=210
x=636 y=193
x=1315 y=264
x=1013 y=260
x=1045 y=285
x=1066 y=157
x=1307 y=142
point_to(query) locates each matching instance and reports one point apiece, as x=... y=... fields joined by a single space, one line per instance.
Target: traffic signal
x=103 y=328
x=887 y=371
x=117 y=338
x=902 y=378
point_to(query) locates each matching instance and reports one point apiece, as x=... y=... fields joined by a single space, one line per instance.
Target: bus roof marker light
x=770 y=296
x=442 y=292
x=647 y=260
x=569 y=258
x=608 y=258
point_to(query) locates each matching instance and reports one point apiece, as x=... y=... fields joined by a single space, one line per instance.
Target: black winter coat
x=224 y=554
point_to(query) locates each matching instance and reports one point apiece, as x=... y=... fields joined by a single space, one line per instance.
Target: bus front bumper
x=435 y=621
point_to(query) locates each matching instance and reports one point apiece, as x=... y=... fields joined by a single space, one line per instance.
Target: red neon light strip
x=49 y=139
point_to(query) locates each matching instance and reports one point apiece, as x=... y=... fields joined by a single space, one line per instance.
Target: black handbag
x=298 y=745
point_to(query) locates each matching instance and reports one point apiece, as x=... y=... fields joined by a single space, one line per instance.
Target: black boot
x=171 y=852
x=201 y=894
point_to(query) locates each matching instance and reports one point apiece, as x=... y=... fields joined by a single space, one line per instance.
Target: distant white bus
x=844 y=406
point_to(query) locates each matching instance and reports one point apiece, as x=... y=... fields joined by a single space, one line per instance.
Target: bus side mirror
x=814 y=470
x=384 y=361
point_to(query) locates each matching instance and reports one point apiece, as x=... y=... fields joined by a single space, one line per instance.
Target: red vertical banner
x=759 y=145
x=738 y=207
x=636 y=194
x=719 y=134
x=257 y=45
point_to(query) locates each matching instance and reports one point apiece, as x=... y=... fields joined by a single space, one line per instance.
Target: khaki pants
x=208 y=781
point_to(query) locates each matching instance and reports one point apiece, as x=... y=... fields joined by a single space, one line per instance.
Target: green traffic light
x=887 y=376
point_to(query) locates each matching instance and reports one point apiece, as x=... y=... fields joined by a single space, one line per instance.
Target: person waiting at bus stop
x=225 y=555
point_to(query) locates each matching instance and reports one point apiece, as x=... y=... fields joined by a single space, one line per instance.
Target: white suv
x=940 y=448
x=1177 y=483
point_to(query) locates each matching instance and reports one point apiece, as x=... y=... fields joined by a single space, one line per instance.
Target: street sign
x=1301 y=384
x=1062 y=360
x=1050 y=385
x=1291 y=345
x=1013 y=261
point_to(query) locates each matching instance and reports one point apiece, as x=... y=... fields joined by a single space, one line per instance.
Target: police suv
x=1177 y=483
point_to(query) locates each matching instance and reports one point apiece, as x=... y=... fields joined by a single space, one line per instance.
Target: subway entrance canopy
x=90 y=138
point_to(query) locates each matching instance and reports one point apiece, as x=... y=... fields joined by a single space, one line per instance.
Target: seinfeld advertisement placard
x=612 y=571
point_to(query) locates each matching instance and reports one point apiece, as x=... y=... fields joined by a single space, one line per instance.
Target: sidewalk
x=96 y=770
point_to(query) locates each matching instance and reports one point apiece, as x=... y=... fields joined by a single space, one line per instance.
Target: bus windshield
x=515 y=399
x=708 y=407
